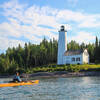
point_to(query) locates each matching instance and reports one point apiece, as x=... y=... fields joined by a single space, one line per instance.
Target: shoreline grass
x=67 y=68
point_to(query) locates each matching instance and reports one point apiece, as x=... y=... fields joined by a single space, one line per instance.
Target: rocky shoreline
x=56 y=74
x=61 y=74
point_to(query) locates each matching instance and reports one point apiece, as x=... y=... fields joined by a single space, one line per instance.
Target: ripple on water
x=80 y=88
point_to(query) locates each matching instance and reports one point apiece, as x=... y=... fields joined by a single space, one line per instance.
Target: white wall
x=85 y=57
x=68 y=59
x=62 y=47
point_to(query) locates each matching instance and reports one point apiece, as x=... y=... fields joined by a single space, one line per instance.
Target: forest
x=43 y=54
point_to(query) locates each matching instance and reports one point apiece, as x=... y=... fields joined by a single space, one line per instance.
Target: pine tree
x=27 y=55
x=96 y=52
x=96 y=43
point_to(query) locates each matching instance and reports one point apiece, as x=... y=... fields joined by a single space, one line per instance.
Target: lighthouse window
x=73 y=59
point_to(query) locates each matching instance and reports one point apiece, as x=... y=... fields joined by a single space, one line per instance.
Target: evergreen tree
x=96 y=51
x=96 y=43
x=27 y=55
x=33 y=55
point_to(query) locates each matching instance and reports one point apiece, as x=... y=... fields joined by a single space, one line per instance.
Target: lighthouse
x=69 y=56
x=62 y=45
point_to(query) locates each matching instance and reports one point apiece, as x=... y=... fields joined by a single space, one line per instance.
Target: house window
x=78 y=59
x=73 y=59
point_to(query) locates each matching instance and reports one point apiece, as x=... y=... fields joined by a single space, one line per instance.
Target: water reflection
x=86 y=80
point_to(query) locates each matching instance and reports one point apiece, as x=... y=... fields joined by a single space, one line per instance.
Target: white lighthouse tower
x=62 y=45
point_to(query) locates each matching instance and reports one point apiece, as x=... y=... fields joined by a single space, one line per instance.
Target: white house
x=69 y=57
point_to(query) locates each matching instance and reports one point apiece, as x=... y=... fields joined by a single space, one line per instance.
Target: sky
x=23 y=21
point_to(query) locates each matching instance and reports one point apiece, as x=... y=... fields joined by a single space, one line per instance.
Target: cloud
x=81 y=19
x=90 y=21
x=34 y=22
x=5 y=43
x=83 y=36
x=68 y=15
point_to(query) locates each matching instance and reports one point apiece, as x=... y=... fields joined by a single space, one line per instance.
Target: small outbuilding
x=76 y=57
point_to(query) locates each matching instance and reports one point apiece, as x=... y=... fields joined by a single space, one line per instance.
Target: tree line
x=45 y=53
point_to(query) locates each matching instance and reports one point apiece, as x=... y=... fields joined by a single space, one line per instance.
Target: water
x=77 y=88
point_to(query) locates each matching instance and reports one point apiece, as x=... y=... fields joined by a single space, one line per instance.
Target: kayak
x=12 y=84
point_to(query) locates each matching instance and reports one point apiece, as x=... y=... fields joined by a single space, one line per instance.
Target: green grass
x=68 y=68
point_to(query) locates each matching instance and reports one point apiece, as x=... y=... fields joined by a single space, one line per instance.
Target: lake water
x=77 y=88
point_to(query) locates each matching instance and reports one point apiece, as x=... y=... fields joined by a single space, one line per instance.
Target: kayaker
x=17 y=78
